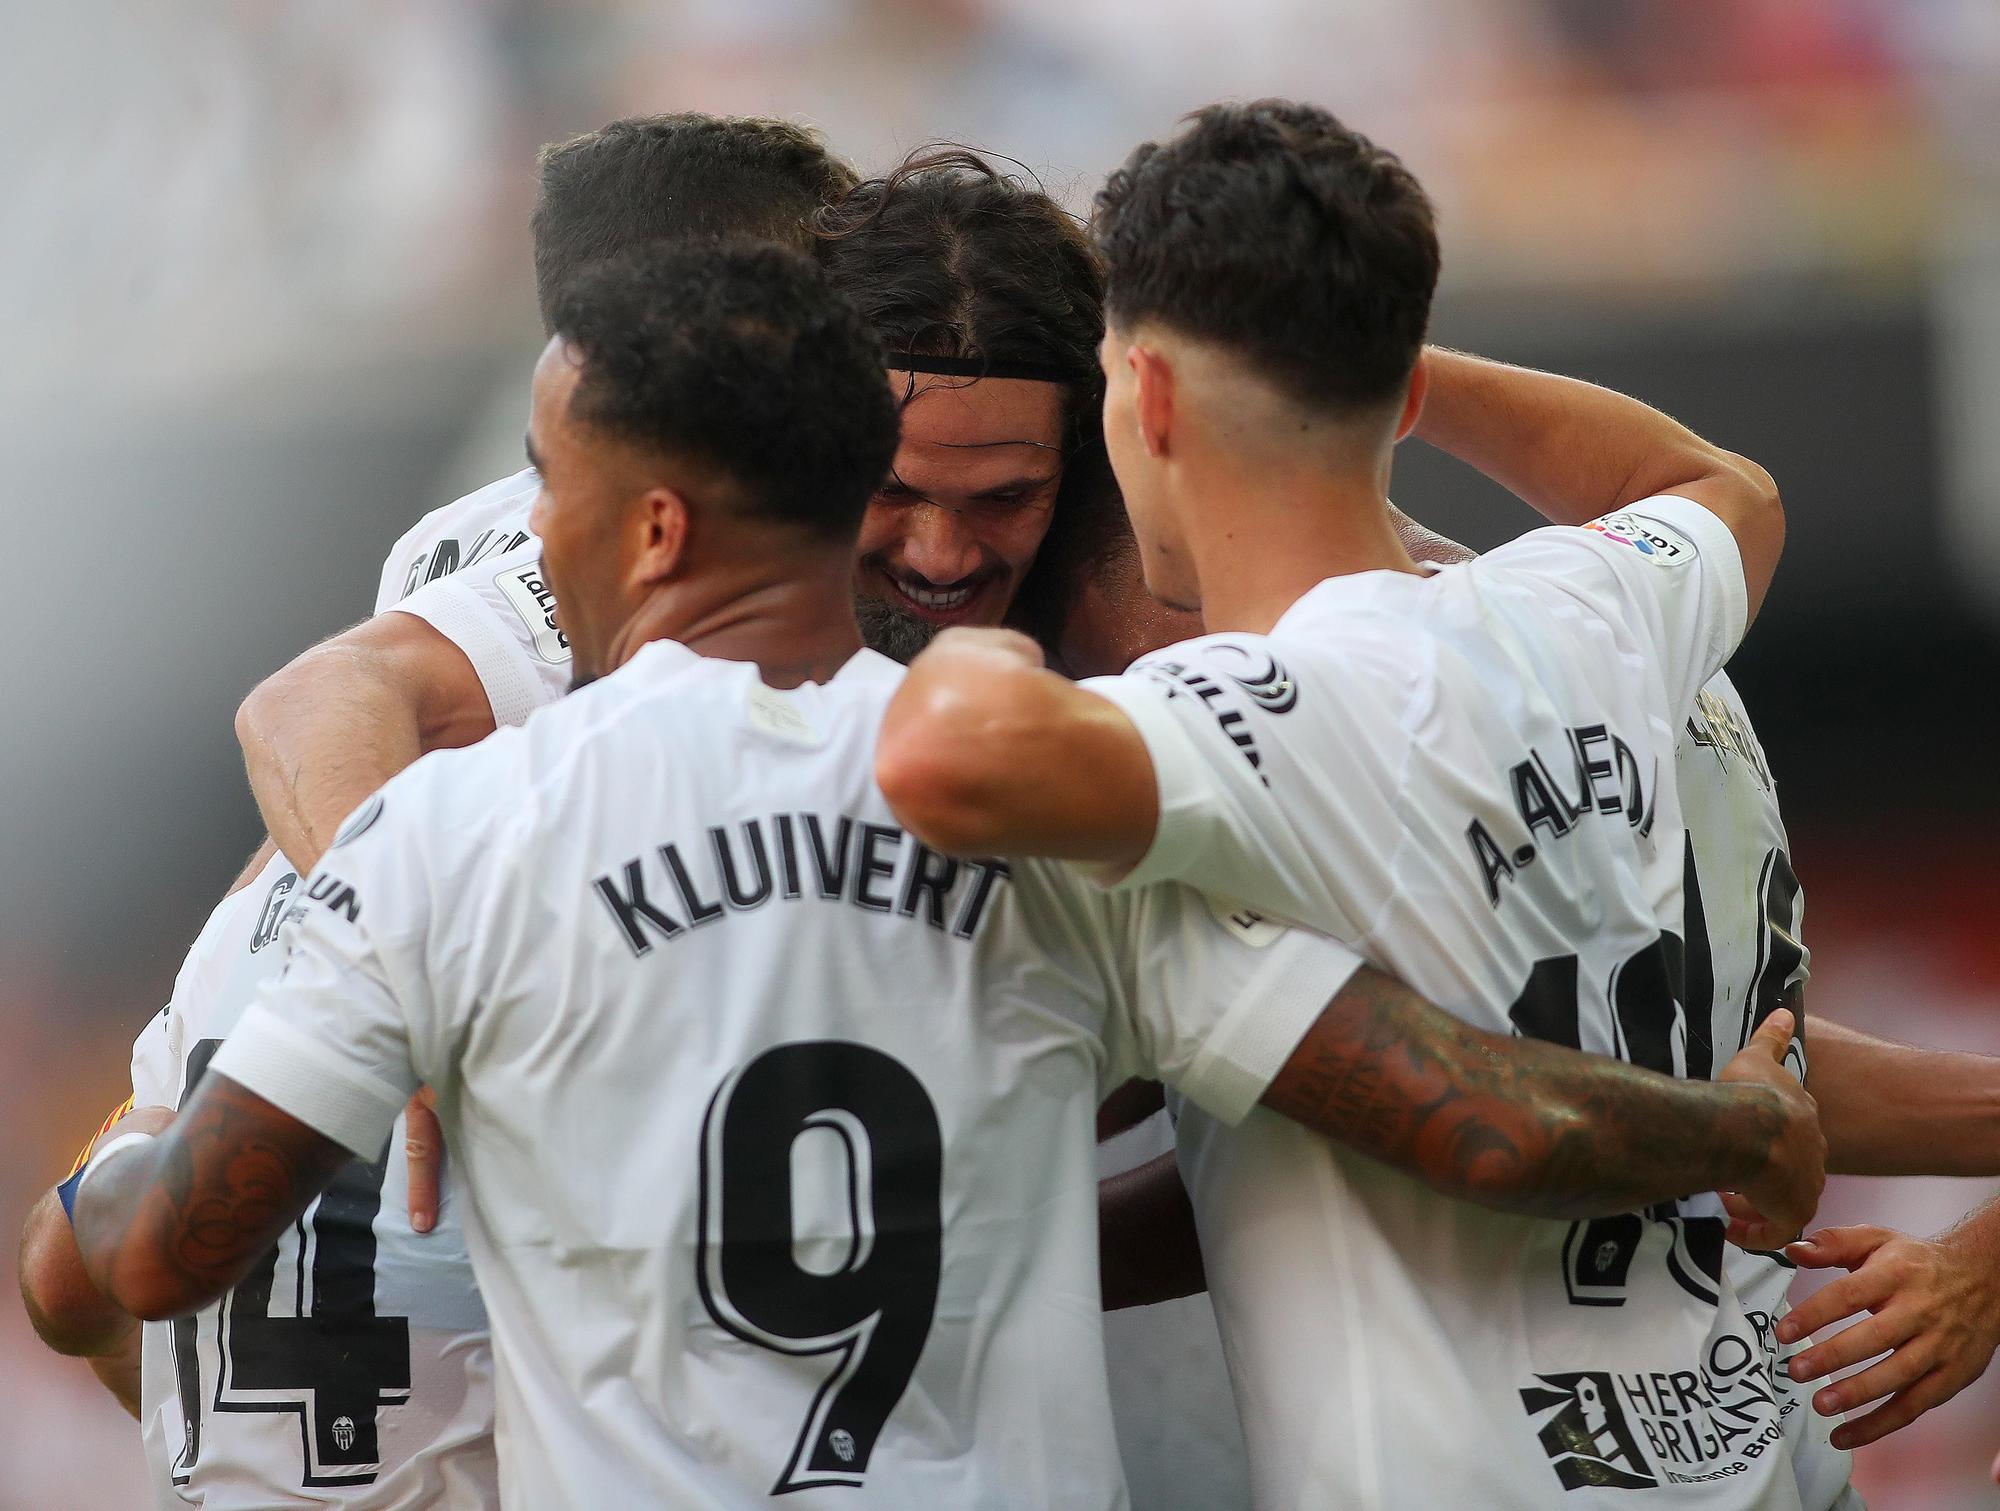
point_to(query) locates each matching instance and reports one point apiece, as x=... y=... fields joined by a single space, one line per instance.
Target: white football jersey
x=352 y=1367
x=472 y=570
x=1746 y=957
x=486 y=523
x=774 y=1127
x=1469 y=777
x=501 y=614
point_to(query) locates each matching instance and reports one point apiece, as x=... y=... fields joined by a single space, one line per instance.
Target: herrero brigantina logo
x=1584 y=1432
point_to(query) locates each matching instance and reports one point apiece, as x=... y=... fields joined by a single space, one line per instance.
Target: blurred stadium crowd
x=267 y=289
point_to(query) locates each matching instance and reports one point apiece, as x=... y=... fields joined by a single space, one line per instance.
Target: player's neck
x=795 y=626
x=1261 y=541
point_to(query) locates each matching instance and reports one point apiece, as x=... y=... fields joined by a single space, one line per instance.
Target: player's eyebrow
x=1026 y=483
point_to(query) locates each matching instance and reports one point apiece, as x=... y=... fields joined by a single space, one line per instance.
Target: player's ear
x=1153 y=397
x=1413 y=401
x=663 y=526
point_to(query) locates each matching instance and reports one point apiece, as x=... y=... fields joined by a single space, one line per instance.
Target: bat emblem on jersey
x=343 y=1433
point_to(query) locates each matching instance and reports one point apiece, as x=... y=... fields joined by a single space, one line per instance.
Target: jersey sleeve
x=1206 y=784
x=397 y=571
x=1666 y=568
x=334 y=1038
x=1219 y=1000
x=156 y=1061
x=502 y=615
x=1232 y=728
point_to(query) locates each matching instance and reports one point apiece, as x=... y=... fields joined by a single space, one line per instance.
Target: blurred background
x=265 y=298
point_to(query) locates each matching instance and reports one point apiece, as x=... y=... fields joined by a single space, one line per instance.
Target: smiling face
x=950 y=535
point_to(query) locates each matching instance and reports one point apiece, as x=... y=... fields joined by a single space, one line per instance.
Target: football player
x=1467 y=774
x=833 y=1092
x=463 y=641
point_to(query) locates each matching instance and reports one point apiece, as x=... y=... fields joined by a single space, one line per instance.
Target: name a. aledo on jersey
x=1605 y=778
x=788 y=857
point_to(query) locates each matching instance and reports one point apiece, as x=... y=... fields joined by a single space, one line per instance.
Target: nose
x=937 y=544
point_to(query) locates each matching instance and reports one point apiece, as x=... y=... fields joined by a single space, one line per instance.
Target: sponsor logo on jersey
x=273 y=914
x=1640 y=1429
x=528 y=591
x=337 y=895
x=1262 y=676
x=1252 y=671
x=1658 y=543
x=1584 y=1432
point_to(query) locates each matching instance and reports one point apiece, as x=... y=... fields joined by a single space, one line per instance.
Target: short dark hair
x=680 y=177
x=947 y=256
x=740 y=357
x=1275 y=231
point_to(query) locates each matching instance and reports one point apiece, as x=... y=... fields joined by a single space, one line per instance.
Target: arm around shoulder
x=984 y=751
x=329 y=728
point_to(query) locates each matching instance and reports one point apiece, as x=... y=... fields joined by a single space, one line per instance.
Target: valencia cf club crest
x=1584 y=1432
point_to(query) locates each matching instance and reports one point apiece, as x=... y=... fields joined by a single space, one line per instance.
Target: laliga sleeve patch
x=1661 y=544
x=1251 y=928
x=528 y=592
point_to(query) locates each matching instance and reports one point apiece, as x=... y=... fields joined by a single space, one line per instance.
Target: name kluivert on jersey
x=875 y=867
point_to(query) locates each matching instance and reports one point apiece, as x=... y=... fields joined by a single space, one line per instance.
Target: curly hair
x=948 y=256
x=680 y=177
x=740 y=356
x=1273 y=230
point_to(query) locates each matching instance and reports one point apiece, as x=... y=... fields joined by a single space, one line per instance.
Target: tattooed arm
x=1515 y=1124
x=170 y=1224
x=1526 y=1126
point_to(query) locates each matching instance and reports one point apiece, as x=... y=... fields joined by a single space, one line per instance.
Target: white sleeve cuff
x=297 y=1074
x=1721 y=558
x=1178 y=769
x=1258 y=1034
x=513 y=687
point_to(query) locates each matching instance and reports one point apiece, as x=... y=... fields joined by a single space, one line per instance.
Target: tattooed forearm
x=168 y=1229
x=1515 y=1124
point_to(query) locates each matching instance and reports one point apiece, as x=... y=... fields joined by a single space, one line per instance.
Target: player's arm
x=1525 y=1126
x=1898 y=1109
x=1514 y=1124
x=984 y=751
x=68 y=1312
x=323 y=733
x=166 y=1223
x=1574 y=451
x=1148 y=1248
